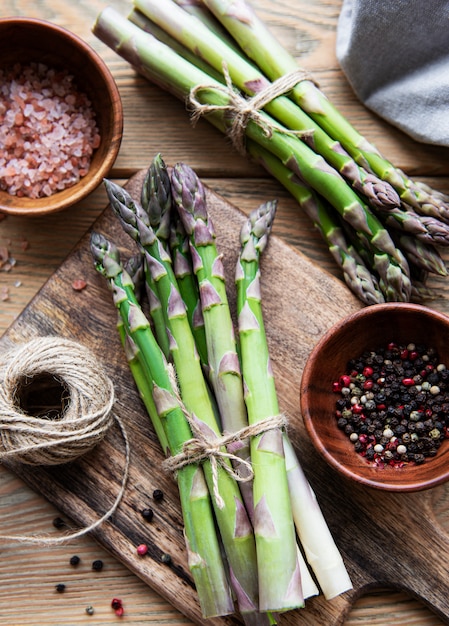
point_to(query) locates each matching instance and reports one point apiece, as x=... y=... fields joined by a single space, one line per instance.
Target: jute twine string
x=83 y=423
x=205 y=448
x=241 y=110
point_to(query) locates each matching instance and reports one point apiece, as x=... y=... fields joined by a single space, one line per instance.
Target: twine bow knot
x=242 y=110
x=215 y=450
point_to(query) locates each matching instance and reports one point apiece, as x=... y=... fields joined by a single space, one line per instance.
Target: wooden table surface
x=155 y=122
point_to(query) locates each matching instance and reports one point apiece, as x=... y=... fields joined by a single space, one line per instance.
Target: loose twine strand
x=242 y=110
x=85 y=420
x=206 y=447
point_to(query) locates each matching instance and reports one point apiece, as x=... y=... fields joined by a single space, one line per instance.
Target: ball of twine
x=83 y=421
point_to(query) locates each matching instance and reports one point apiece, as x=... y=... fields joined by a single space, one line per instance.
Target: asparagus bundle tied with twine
x=216 y=415
x=220 y=58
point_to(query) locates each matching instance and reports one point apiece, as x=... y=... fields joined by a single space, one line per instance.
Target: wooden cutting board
x=385 y=539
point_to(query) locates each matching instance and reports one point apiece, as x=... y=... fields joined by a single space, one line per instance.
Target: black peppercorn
x=58 y=522
x=147 y=514
x=158 y=494
x=97 y=565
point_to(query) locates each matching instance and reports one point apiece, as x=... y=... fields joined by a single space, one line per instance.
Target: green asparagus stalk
x=423 y=227
x=163 y=66
x=134 y=268
x=233 y=522
x=192 y=33
x=422 y=254
x=223 y=360
x=389 y=277
x=204 y=552
x=260 y=45
x=279 y=573
x=317 y=542
x=188 y=286
x=156 y=197
x=356 y=274
x=156 y=200
x=143 y=384
x=148 y=26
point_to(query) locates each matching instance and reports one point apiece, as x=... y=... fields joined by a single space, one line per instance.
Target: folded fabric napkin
x=395 y=55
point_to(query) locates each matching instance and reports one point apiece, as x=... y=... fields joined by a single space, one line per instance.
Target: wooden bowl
x=26 y=40
x=369 y=329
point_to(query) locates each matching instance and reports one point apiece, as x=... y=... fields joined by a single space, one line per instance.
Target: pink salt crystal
x=43 y=107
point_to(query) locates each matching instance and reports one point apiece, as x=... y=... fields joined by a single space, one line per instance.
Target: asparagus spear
x=232 y=519
x=188 y=286
x=156 y=198
x=204 y=552
x=422 y=254
x=316 y=539
x=143 y=383
x=423 y=227
x=259 y=44
x=134 y=268
x=356 y=274
x=192 y=33
x=156 y=201
x=148 y=26
x=223 y=361
x=163 y=66
x=279 y=573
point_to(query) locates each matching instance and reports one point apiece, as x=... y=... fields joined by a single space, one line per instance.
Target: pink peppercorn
x=142 y=549
x=368 y=371
x=117 y=605
x=345 y=380
x=408 y=382
x=336 y=387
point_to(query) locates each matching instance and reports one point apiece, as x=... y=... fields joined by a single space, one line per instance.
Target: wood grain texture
x=156 y=122
x=296 y=319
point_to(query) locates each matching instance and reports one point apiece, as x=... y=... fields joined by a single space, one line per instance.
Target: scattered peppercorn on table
x=50 y=585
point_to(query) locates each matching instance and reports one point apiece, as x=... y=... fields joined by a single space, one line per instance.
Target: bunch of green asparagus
x=383 y=229
x=210 y=393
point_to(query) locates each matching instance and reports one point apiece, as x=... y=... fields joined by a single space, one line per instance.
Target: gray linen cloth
x=395 y=55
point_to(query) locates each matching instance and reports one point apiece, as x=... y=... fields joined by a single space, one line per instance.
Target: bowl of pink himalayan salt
x=375 y=397
x=61 y=118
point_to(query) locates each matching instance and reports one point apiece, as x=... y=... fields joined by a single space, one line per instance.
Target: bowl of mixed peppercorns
x=61 y=117
x=375 y=397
